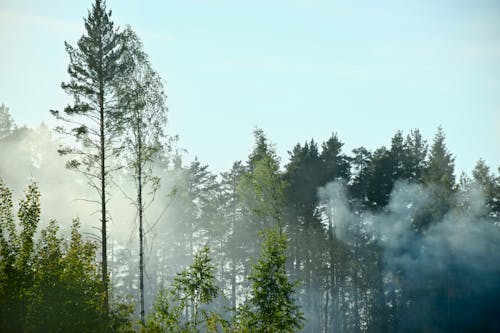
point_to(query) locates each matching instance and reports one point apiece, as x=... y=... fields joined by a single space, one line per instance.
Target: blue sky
x=297 y=69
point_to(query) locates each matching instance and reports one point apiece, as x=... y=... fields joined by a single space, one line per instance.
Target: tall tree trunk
x=307 y=289
x=342 y=308
x=332 y=284
x=381 y=311
x=233 y=257
x=355 y=290
x=233 y=282
x=327 y=303
x=222 y=275
x=141 y=211
x=103 y=197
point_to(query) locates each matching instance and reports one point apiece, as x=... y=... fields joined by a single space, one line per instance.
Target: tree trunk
x=233 y=282
x=355 y=288
x=327 y=301
x=332 y=284
x=103 y=198
x=141 y=229
x=233 y=257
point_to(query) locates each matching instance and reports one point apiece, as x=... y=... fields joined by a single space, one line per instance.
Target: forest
x=107 y=226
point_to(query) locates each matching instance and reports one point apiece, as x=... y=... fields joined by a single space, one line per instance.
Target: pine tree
x=439 y=176
x=361 y=174
x=485 y=179
x=381 y=178
x=440 y=169
x=398 y=158
x=415 y=154
x=336 y=164
x=7 y=125
x=96 y=63
x=262 y=186
x=271 y=306
x=261 y=190
x=305 y=173
x=233 y=220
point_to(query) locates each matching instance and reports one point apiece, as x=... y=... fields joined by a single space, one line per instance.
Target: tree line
x=208 y=262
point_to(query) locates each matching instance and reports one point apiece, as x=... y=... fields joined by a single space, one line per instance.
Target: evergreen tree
x=361 y=173
x=191 y=213
x=305 y=172
x=495 y=205
x=96 y=63
x=489 y=185
x=441 y=167
x=415 y=154
x=381 y=179
x=271 y=306
x=439 y=175
x=201 y=186
x=7 y=125
x=398 y=157
x=237 y=240
x=304 y=176
x=336 y=164
x=262 y=187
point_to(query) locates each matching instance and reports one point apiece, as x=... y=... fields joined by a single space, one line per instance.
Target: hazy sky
x=297 y=69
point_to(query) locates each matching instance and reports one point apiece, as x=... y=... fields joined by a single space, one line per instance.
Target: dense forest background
x=383 y=240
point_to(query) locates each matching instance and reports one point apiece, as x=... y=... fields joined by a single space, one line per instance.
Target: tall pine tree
x=96 y=63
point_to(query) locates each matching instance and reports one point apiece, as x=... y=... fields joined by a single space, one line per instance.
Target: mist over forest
x=106 y=225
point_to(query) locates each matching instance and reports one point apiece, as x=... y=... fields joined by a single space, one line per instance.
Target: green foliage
x=336 y=164
x=377 y=172
x=271 y=306
x=262 y=188
x=49 y=284
x=381 y=178
x=305 y=173
x=141 y=123
x=440 y=179
x=194 y=196
x=230 y=223
x=361 y=162
x=67 y=282
x=96 y=65
x=489 y=185
x=415 y=156
x=95 y=68
x=440 y=169
x=142 y=97
x=182 y=307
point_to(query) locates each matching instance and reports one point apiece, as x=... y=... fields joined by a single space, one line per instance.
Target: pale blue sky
x=297 y=69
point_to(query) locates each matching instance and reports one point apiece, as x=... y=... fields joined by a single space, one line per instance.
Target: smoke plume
x=442 y=278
